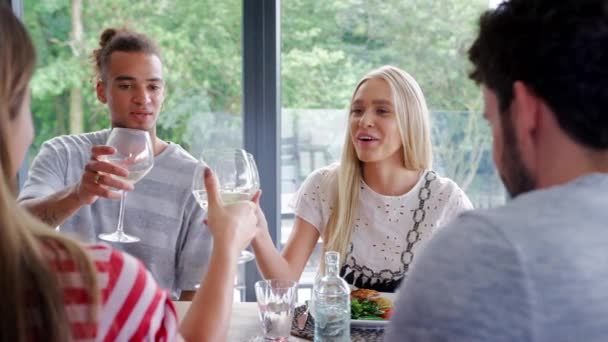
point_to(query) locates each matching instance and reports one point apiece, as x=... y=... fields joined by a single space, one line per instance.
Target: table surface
x=244 y=322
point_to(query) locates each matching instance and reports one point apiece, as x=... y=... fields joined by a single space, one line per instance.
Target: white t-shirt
x=388 y=230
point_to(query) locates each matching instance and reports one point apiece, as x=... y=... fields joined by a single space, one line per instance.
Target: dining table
x=244 y=323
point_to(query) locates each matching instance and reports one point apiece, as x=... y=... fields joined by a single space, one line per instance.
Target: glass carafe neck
x=332 y=263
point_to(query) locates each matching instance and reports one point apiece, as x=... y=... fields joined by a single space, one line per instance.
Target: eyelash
x=379 y=111
x=128 y=86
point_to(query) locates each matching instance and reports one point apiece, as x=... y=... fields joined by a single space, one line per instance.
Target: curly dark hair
x=123 y=40
x=559 y=48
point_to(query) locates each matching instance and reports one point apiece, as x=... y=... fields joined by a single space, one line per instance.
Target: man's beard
x=516 y=177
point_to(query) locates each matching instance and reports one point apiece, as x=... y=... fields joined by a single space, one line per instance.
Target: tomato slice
x=387 y=313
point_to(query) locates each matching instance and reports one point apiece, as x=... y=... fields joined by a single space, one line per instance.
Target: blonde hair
x=413 y=120
x=32 y=298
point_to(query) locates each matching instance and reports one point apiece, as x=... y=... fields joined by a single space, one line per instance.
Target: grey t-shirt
x=175 y=244
x=533 y=270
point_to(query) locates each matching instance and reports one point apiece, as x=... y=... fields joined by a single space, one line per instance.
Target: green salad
x=367 y=310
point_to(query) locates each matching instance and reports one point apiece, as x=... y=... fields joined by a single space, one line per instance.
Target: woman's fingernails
x=207 y=172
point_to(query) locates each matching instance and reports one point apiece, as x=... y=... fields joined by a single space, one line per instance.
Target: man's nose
x=141 y=97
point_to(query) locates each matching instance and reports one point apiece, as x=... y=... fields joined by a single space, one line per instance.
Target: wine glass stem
x=121 y=215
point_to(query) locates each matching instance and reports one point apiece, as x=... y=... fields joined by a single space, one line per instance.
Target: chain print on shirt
x=388 y=280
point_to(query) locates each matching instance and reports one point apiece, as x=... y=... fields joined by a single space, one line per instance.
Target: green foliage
x=201 y=45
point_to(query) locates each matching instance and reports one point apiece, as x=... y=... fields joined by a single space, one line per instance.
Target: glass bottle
x=331 y=303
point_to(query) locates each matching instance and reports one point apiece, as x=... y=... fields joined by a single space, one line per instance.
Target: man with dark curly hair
x=534 y=269
x=71 y=173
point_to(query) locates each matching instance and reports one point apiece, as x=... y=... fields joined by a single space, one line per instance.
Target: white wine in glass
x=133 y=152
x=228 y=196
x=237 y=176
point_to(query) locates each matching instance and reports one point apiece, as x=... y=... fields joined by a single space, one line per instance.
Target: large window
x=201 y=43
x=202 y=50
x=327 y=46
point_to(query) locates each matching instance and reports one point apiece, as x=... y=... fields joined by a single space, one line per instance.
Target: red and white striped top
x=133 y=306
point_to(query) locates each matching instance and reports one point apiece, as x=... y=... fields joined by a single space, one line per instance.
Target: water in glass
x=276 y=301
x=331 y=303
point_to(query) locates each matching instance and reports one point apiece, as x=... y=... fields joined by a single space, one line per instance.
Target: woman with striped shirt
x=55 y=289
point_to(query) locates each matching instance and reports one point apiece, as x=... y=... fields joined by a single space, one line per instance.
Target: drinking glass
x=237 y=176
x=133 y=152
x=276 y=301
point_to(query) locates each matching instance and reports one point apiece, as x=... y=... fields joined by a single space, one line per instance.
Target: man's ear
x=526 y=113
x=101 y=92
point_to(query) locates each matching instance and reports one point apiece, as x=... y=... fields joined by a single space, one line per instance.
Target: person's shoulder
x=508 y=222
x=324 y=178
x=548 y=207
x=320 y=182
x=116 y=264
x=585 y=190
x=324 y=174
x=446 y=190
x=99 y=251
x=102 y=253
x=111 y=260
x=176 y=154
x=440 y=182
x=79 y=140
x=534 y=209
x=478 y=219
x=472 y=231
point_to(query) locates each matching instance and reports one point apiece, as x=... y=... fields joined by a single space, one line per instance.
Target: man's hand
x=232 y=226
x=97 y=179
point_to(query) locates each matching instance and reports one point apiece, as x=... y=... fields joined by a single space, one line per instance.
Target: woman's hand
x=232 y=226
x=262 y=225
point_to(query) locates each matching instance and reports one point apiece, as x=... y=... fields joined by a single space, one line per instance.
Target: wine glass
x=245 y=254
x=133 y=152
x=256 y=175
x=237 y=176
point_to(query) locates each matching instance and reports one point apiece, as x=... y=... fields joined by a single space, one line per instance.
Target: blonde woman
x=53 y=288
x=379 y=205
